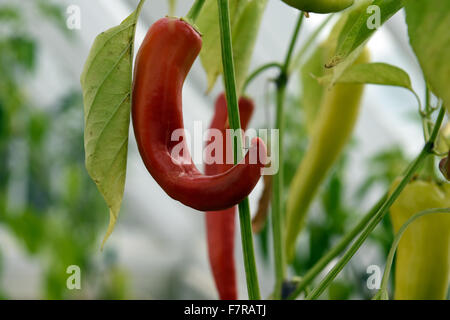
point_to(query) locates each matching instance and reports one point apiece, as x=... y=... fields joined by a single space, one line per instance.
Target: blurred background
x=51 y=215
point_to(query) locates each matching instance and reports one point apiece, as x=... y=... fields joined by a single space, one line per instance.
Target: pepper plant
x=223 y=34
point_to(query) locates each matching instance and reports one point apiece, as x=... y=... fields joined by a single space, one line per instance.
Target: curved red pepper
x=162 y=64
x=220 y=225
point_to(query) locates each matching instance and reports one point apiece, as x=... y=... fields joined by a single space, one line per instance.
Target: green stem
x=261 y=69
x=425 y=114
x=287 y=61
x=251 y=273
x=429 y=169
x=277 y=205
x=426 y=151
x=335 y=251
x=233 y=115
x=427 y=99
x=436 y=128
x=139 y=7
x=299 y=56
x=277 y=199
x=195 y=11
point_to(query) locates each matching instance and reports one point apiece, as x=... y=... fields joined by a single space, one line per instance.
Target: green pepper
x=320 y=6
x=331 y=131
x=423 y=255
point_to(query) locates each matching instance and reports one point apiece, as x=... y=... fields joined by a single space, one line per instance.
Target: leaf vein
x=122 y=55
x=103 y=130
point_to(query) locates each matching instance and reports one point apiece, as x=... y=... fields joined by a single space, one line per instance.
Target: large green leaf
x=106 y=83
x=429 y=33
x=245 y=16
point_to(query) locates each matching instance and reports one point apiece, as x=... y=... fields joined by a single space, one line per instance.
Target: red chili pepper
x=162 y=64
x=220 y=225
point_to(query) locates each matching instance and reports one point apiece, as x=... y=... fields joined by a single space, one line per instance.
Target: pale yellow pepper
x=423 y=255
x=330 y=133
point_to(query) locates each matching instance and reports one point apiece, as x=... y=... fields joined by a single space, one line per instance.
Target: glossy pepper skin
x=320 y=6
x=220 y=225
x=423 y=255
x=331 y=131
x=162 y=64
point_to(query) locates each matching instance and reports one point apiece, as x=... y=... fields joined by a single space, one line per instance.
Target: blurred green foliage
x=60 y=218
x=336 y=208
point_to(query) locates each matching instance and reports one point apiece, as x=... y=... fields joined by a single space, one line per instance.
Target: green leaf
x=208 y=24
x=375 y=73
x=339 y=30
x=314 y=69
x=356 y=32
x=245 y=33
x=429 y=33
x=245 y=16
x=106 y=83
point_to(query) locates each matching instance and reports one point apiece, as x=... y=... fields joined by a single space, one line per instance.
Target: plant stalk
x=233 y=116
x=195 y=11
x=259 y=70
x=335 y=251
x=277 y=196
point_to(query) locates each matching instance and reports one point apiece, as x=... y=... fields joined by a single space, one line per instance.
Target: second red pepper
x=220 y=225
